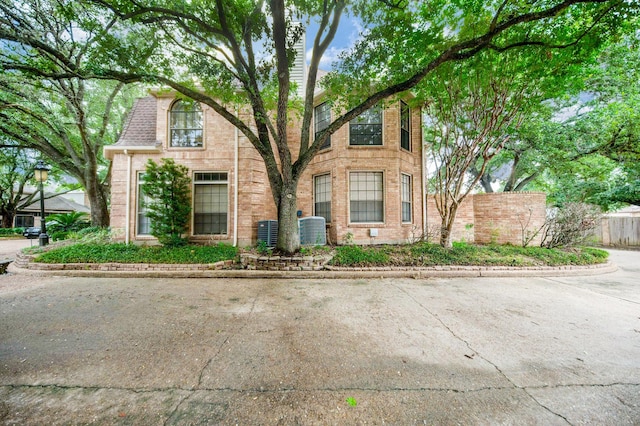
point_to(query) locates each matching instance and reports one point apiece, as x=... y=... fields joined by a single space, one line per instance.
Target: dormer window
x=185 y=125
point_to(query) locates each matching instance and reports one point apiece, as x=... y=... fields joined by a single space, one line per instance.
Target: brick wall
x=463 y=226
x=508 y=217
x=505 y=217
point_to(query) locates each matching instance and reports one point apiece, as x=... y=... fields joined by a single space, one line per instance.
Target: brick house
x=367 y=181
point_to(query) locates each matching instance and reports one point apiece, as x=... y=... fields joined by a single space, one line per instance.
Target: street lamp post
x=41 y=172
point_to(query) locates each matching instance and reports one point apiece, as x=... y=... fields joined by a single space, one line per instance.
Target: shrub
x=61 y=224
x=570 y=225
x=168 y=188
x=9 y=232
x=59 y=235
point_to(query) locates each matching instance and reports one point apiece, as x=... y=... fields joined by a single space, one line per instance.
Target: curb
x=335 y=273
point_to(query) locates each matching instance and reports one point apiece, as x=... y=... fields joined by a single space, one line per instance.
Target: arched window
x=185 y=125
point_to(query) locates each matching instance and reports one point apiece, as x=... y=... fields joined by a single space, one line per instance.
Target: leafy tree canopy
x=225 y=53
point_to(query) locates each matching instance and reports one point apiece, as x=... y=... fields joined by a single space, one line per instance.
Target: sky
x=348 y=33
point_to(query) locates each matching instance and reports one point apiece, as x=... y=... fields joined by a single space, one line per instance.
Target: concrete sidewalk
x=404 y=351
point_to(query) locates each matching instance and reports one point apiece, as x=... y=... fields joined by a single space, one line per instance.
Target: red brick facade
x=145 y=136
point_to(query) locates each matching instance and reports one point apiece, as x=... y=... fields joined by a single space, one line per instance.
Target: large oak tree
x=241 y=52
x=66 y=118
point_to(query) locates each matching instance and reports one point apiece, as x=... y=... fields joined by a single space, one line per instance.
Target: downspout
x=127 y=226
x=235 y=189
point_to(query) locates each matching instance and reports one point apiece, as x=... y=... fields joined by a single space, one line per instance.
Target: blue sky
x=348 y=32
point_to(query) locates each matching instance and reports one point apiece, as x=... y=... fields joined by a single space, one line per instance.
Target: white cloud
x=349 y=33
x=330 y=56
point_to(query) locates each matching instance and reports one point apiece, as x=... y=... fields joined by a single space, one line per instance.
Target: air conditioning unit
x=268 y=232
x=313 y=231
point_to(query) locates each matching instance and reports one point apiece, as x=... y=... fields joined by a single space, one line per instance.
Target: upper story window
x=366 y=129
x=185 y=125
x=405 y=126
x=322 y=119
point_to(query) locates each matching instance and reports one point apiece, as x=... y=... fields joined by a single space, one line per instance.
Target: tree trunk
x=98 y=202
x=7 y=218
x=288 y=232
x=447 y=226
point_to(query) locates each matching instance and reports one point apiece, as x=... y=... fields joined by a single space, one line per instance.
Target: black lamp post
x=41 y=174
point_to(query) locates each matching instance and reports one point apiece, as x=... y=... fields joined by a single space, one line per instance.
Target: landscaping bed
x=409 y=255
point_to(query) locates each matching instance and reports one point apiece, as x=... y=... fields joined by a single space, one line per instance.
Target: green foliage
x=428 y=254
x=169 y=190
x=130 y=253
x=10 y=232
x=63 y=223
x=583 y=143
x=263 y=249
x=352 y=401
x=352 y=255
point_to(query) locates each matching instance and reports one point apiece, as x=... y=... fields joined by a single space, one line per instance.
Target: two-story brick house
x=367 y=181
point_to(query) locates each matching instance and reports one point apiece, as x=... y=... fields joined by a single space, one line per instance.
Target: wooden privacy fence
x=620 y=231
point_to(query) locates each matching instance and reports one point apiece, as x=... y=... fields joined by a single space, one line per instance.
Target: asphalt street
x=552 y=351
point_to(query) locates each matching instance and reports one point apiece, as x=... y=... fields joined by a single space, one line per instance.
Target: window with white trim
x=366 y=197
x=366 y=129
x=322 y=196
x=143 y=223
x=210 y=203
x=405 y=191
x=185 y=125
x=405 y=126
x=322 y=119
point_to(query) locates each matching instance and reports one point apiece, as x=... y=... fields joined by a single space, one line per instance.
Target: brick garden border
x=294 y=267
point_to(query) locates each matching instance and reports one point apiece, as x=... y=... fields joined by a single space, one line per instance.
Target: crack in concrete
x=475 y=352
x=191 y=391
x=208 y=363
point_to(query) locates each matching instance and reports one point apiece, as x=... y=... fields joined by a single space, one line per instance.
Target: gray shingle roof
x=140 y=127
x=55 y=204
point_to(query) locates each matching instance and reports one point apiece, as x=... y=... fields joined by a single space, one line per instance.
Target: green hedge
x=10 y=232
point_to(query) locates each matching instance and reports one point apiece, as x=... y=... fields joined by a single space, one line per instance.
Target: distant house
x=53 y=203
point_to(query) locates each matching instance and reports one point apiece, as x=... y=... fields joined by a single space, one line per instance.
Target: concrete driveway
x=9 y=247
x=209 y=351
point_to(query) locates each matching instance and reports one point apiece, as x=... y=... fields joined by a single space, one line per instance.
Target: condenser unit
x=313 y=231
x=268 y=232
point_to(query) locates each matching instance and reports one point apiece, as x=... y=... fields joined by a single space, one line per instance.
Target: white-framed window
x=405 y=126
x=322 y=197
x=405 y=191
x=210 y=203
x=185 y=125
x=321 y=120
x=366 y=129
x=366 y=197
x=143 y=224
